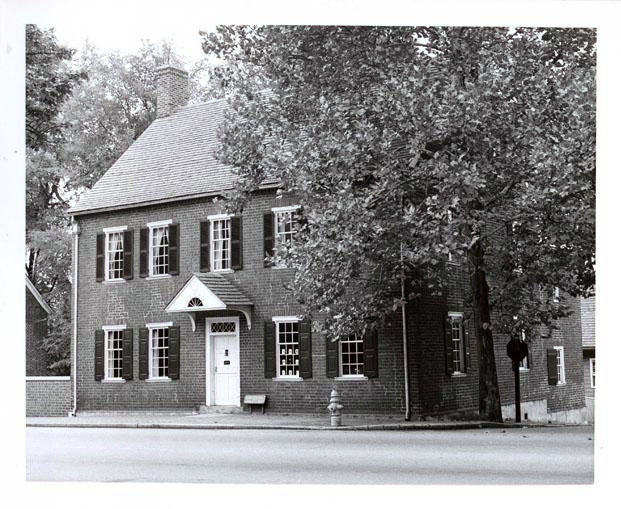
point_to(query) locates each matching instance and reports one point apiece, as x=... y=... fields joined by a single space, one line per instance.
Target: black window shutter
x=144 y=252
x=99 y=354
x=128 y=354
x=128 y=258
x=101 y=257
x=268 y=238
x=173 y=249
x=552 y=363
x=466 y=339
x=370 y=354
x=173 y=353
x=269 y=348
x=300 y=218
x=204 y=262
x=448 y=345
x=332 y=358
x=236 y=243
x=143 y=353
x=306 y=349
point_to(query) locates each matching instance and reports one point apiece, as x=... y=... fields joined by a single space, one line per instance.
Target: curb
x=366 y=427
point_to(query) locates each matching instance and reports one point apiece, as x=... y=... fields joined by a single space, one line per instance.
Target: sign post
x=517 y=350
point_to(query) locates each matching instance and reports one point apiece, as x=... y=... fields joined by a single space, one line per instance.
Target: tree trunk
x=489 y=395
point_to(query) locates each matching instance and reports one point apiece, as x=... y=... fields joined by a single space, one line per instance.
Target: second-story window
x=221 y=243
x=159 y=249
x=279 y=229
x=285 y=223
x=114 y=254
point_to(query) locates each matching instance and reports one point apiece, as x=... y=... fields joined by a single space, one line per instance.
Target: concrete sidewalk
x=194 y=420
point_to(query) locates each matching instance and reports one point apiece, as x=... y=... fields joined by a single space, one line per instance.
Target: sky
x=115 y=25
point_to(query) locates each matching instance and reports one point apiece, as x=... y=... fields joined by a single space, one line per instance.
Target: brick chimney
x=172 y=90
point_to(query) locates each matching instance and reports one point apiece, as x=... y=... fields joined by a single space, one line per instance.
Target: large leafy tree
x=409 y=145
x=82 y=112
x=49 y=83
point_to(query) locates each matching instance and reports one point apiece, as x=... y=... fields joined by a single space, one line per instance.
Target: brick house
x=178 y=308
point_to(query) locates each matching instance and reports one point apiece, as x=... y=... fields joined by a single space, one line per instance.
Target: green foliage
x=420 y=142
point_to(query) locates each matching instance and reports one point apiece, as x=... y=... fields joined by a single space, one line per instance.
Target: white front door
x=225 y=365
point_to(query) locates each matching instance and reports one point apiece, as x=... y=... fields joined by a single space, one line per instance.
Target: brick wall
x=48 y=396
x=139 y=301
x=432 y=391
x=440 y=393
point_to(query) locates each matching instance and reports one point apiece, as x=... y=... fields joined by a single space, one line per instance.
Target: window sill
x=522 y=370
x=113 y=381
x=114 y=281
x=287 y=379
x=352 y=378
x=458 y=375
x=223 y=271
x=159 y=276
x=158 y=380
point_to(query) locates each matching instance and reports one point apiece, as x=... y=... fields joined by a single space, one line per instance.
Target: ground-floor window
x=560 y=364
x=158 y=352
x=351 y=356
x=592 y=366
x=114 y=354
x=287 y=349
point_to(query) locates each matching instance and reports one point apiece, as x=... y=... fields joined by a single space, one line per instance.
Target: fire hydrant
x=335 y=408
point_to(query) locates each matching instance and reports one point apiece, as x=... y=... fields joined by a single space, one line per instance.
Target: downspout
x=75 y=230
x=405 y=340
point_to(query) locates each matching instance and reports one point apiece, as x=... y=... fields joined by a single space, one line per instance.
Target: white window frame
x=359 y=340
x=525 y=359
x=592 y=372
x=560 y=364
x=108 y=232
x=212 y=252
x=277 y=213
x=107 y=330
x=278 y=320
x=152 y=226
x=462 y=355
x=152 y=327
x=557 y=294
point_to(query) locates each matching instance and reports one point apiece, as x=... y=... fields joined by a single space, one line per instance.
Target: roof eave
x=99 y=210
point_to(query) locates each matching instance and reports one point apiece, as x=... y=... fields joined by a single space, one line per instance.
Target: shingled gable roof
x=173 y=159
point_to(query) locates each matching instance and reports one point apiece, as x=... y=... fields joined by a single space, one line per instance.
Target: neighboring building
x=37 y=311
x=551 y=378
x=177 y=307
x=587 y=309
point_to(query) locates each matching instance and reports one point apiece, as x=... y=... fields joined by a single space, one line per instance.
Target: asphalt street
x=551 y=455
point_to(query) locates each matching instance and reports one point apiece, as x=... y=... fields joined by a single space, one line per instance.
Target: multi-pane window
x=560 y=364
x=352 y=356
x=114 y=255
x=285 y=225
x=457 y=343
x=287 y=349
x=221 y=243
x=114 y=354
x=592 y=366
x=159 y=245
x=158 y=352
